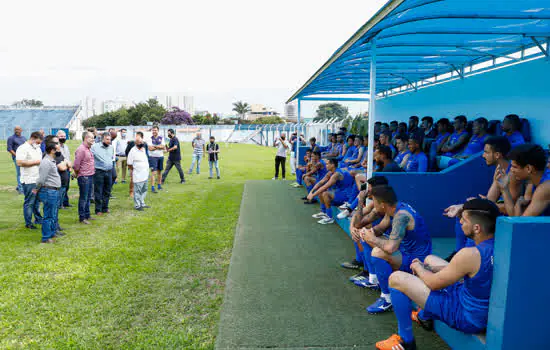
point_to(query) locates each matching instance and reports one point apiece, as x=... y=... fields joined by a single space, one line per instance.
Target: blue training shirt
x=400 y=156
x=453 y=140
x=351 y=153
x=417 y=242
x=441 y=137
x=321 y=172
x=515 y=139
x=346 y=183
x=476 y=291
x=417 y=163
x=475 y=145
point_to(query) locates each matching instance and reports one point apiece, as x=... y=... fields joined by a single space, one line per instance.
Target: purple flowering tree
x=176 y=116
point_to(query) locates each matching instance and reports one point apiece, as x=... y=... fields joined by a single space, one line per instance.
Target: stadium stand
x=31 y=119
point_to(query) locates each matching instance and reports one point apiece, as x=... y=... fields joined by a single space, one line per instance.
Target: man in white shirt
x=139 y=165
x=280 y=159
x=28 y=157
x=121 y=145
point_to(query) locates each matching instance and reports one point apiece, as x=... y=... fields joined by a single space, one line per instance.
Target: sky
x=220 y=52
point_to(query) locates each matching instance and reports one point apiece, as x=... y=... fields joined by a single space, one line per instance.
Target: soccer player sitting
x=385 y=139
x=302 y=169
x=457 y=140
x=443 y=127
x=357 y=154
x=475 y=145
x=403 y=153
x=349 y=153
x=510 y=126
x=359 y=167
x=418 y=162
x=332 y=148
x=407 y=239
x=385 y=161
x=313 y=144
x=342 y=190
x=437 y=286
x=316 y=172
x=528 y=164
x=495 y=150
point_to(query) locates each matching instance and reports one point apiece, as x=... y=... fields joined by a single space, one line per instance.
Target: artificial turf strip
x=285 y=288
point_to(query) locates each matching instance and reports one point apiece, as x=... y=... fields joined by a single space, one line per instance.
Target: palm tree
x=241 y=108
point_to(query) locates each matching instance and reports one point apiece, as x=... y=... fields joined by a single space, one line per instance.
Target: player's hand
x=503 y=180
x=416 y=265
x=452 y=211
x=355 y=234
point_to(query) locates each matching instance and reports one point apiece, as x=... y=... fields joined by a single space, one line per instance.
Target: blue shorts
x=444 y=305
x=406 y=261
x=156 y=163
x=340 y=198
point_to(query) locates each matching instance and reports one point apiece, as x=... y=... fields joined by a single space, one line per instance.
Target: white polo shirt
x=29 y=175
x=281 y=150
x=138 y=160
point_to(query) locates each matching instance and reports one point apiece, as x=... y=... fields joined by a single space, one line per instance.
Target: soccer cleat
x=304 y=198
x=362 y=276
x=310 y=202
x=344 y=206
x=159 y=187
x=354 y=265
x=426 y=324
x=367 y=284
x=319 y=215
x=379 y=306
x=326 y=221
x=395 y=343
x=343 y=214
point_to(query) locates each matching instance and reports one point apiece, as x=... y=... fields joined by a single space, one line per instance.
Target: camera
x=364 y=186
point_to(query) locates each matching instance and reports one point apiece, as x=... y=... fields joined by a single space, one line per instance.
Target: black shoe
x=59 y=234
x=139 y=209
x=182 y=181
x=68 y=206
x=218 y=177
x=354 y=265
x=308 y=202
x=123 y=181
x=60 y=229
x=304 y=198
x=210 y=177
x=146 y=206
x=31 y=226
x=448 y=259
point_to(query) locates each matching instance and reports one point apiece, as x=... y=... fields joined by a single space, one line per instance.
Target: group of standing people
x=44 y=170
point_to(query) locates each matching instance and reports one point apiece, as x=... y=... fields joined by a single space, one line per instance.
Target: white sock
x=373 y=279
x=386 y=297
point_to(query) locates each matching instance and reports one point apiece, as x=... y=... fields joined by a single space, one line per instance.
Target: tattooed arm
x=399 y=228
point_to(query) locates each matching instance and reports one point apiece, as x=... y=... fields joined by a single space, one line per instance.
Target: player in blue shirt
x=456 y=293
x=356 y=155
x=385 y=139
x=407 y=239
x=510 y=127
x=315 y=173
x=475 y=145
x=342 y=189
x=458 y=139
x=403 y=153
x=358 y=167
x=348 y=152
x=301 y=170
x=528 y=164
x=418 y=162
x=443 y=128
x=332 y=148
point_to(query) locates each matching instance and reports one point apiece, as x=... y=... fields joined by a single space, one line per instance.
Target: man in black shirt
x=174 y=159
x=384 y=160
x=213 y=149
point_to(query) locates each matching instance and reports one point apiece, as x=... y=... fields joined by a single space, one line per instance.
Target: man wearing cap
x=174 y=157
x=456 y=292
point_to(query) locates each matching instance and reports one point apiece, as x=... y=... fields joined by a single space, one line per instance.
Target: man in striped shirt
x=198 y=152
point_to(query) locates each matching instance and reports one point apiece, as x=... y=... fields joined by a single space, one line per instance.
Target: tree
x=269 y=120
x=176 y=116
x=28 y=103
x=241 y=108
x=140 y=114
x=331 y=110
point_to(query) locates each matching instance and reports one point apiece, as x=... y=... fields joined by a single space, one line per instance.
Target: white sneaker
x=319 y=215
x=275 y=178
x=326 y=221
x=344 y=206
x=343 y=214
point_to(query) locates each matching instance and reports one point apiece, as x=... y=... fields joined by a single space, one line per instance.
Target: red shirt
x=84 y=161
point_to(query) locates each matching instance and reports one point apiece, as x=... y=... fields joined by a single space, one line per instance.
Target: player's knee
x=379 y=253
x=397 y=279
x=430 y=260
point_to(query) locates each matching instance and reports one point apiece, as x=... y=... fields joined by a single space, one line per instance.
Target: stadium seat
x=35 y=119
x=494 y=127
x=525 y=130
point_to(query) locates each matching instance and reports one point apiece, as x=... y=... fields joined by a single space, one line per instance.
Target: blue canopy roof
x=419 y=39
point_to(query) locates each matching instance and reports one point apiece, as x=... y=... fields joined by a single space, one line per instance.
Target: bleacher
x=34 y=119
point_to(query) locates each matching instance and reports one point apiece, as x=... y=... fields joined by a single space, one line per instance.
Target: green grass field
x=131 y=280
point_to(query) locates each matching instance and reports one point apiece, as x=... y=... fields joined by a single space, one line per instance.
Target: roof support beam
x=405 y=78
x=545 y=52
x=343 y=99
x=482 y=53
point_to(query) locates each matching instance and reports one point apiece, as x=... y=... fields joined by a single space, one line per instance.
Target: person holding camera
x=280 y=159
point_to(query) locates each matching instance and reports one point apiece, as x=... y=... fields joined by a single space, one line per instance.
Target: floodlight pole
x=372 y=108
x=298 y=134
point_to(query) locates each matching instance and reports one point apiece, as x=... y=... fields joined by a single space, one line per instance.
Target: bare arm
x=465 y=263
x=539 y=202
x=399 y=229
x=27 y=163
x=335 y=177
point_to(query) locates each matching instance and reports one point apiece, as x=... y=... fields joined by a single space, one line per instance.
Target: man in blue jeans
x=84 y=169
x=103 y=178
x=213 y=150
x=198 y=152
x=47 y=187
x=14 y=141
x=28 y=157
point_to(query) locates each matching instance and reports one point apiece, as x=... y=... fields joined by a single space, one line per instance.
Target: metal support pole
x=299 y=117
x=372 y=108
